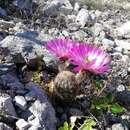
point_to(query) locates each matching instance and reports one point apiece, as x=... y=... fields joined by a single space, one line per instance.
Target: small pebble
x=120 y=88
x=20 y=102
x=22 y=124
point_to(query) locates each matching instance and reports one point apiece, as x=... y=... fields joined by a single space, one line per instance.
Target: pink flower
x=89 y=57
x=60 y=47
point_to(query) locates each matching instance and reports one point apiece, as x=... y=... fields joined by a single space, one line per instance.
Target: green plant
x=106 y=103
x=87 y=124
x=65 y=126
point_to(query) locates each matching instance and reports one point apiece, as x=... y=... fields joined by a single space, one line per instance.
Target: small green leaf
x=65 y=126
x=109 y=98
x=116 y=108
x=98 y=84
x=88 y=123
x=100 y=104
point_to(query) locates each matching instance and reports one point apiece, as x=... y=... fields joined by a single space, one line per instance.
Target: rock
x=92 y=17
x=58 y=6
x=20 y=102
x=118 y=49
x=125 y=59
x=3 y=126
x=21 y=48
x=11 y=82
x=79 y=35
x=26 y=115
x=45 y=37
x=125 y=116
x=129 y=69
x=41 y=109
x=6 y=105
x=98 y=13
x=22 y=124
x=31 y=96
x=50 y=60
x=24 y=5
x=6 y=67
x=124 y=98
x=75 y=112
x=19 y=28
x=119 y=126
x=97 y=29
x=5 y=25
x=36 y=123
x=103 y=4
x=34 y=128
x=120 y=88
x=73 y=26
x=111 y=118
x=3 y=12
x=107 y=43
x=123 y=44
x=124 y=30
x=83 y=17
x=65 y=33
x=76 y=6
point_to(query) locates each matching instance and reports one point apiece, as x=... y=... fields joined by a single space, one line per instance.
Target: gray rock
x=24 y=4
x=129 y=69
x=5 y=25
x=58 y=6
x=42 y=109
x=76 y=6
x=11 y=82
x=65 y=33
x=113 y=4
x=124 y=30
x=7 y=67
x=118 y=49
x=50 y=60
x=26 y=115
x=73 y=26
x=6 y=105
x=93 y=17
x=123 y=43
x=79 y=35
x=3 y=12
x=20 y=102
x=125 y=117
x=22 y=49
x=19 y=28
x=124 y=98
x=45 y=37
x=125 y=59
x=3 y=126
x=119 y=126
x=22 y=124
x=97 y=29
x=34 y=128
x=75 y=112
x=83 y=17
x=120 y=88
x=107 y=43
x=98 y=13
x=31 y=96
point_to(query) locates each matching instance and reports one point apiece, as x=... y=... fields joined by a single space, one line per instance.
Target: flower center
x=88 y=59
